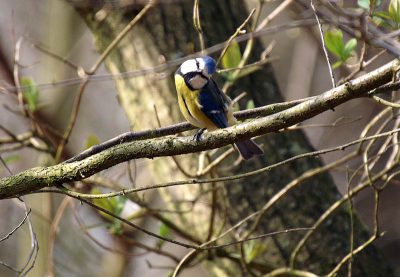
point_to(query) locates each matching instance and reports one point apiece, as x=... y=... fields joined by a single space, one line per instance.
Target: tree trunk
x=167 y=31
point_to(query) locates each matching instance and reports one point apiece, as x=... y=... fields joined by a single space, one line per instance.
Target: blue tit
x=203 y=103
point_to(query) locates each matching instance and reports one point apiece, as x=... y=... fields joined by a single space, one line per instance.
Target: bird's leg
x=198 y=134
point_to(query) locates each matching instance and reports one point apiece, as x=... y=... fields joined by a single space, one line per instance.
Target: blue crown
x=211 y=64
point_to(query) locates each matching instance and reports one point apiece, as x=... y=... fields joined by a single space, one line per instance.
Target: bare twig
x=121 y=35
x=169 y=64
x=64 y=60
x=285 y=271
x=17 y=227
x=16 y=75
x=219 y=179
x=52 y=236
x=34 y=246
x=204 y=247
x=351 y=225
x=91 y=72
x=238 y=31
x=327 y=213
x=324 y=45
x=197 y=24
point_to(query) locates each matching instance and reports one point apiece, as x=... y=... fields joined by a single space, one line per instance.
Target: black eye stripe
x=189 y=76
x=197 y=64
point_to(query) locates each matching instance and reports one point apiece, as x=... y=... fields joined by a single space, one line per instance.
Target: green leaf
x=120 y=204
x=257 y=250
x=364 y=4
x=334 y=42
x=394 y=11
x=252 y=250
x=350 y=46
x=236 y=107
x=11 y=159
x=248 y=249
x=165 y=232
x=380 y=20
x=116 y=227
x=113 y=202
x=250 y=105
x=92 y=140
x=114 y=205
x=103 y=203
x=386 y=15
x=31 y=93
x=337 y=64
x=232 y=56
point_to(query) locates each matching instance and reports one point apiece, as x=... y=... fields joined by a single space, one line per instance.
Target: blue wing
x=213 y=104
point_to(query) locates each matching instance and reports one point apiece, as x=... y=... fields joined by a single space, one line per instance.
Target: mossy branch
x=40 y=177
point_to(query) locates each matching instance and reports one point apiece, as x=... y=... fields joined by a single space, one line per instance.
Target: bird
x=203 y=103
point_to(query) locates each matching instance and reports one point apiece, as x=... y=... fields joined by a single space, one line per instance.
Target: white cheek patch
x=189 y=66
x=198 y=82
x=195 y=65
x=203 y=68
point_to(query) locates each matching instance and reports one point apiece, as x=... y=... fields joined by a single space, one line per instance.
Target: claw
x=198 y=134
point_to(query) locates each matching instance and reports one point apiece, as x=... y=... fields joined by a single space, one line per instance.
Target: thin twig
x=238 y=31
x=85 y=231
x=255 y=64
x=351 y=225
x=5 y=165
x=324 y=45
x=42 y=124
x=204 y=247
x=332 y=125
x=348 y=256
x=52 y=236
x=197 y=24
x=34 y=246
x=274 y=14
x=64 y=60
x=287 y=271
x=334 y=207
x=387 y=103
x=16 y=75
x=17 y=227
x=214 y=196
x=121 y=35
x=220 y=179
x=151 y=249
x=82 y=86
x=72 y=121
x=361 y=66
x=169 y=64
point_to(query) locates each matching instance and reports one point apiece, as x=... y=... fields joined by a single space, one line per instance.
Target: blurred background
x=301 y=71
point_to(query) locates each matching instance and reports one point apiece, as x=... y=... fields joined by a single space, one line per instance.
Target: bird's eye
x=197 y=64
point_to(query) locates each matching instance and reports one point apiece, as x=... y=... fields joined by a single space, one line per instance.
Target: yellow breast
x=188 y=101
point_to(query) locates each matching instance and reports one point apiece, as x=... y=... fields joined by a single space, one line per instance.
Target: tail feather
x=248 y=149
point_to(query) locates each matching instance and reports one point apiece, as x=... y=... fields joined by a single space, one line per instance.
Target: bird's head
x=197 y=72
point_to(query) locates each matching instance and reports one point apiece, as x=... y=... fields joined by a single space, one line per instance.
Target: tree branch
x=40 y=177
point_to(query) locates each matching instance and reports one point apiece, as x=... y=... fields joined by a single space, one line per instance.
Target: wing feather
x=214 y=104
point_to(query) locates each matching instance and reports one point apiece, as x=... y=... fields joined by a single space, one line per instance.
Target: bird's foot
x=198 y=134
